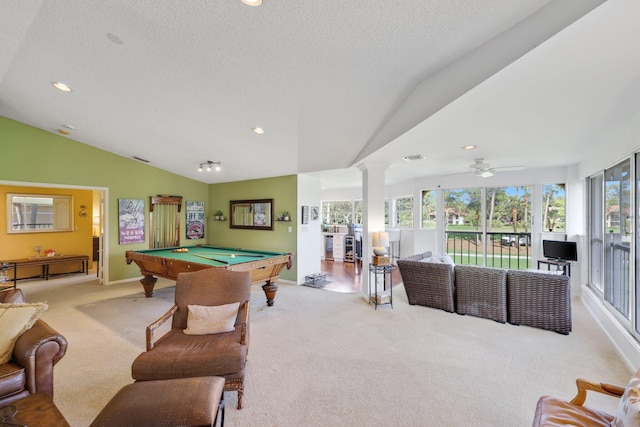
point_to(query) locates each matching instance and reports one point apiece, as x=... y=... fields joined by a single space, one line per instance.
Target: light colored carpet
x=321 y=358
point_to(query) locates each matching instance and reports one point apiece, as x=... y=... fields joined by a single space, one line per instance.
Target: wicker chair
x=427 y=283
x=481 y=292
x=539 y=299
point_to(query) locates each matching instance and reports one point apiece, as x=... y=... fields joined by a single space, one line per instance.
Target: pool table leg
x=148 y=282
x=270 y=290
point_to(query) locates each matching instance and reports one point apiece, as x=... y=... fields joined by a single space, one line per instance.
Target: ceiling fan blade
x=509 y=168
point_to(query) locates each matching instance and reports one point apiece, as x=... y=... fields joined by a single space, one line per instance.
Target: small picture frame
x=315 y=213
x=305 y=214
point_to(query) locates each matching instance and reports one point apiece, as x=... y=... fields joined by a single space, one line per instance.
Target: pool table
x=264 y=266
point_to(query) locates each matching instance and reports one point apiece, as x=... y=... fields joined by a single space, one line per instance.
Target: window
x=428 y=210
x=357 y=212
x=404 y=211
x=553 y=207
x=503 y=240
x=337 y=212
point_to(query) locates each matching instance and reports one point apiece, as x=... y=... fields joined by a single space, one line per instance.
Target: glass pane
x=404 y=212
x=357 y=212
x=509 y=227
x=553 y=209
x=337 y=212
x=617 y=186
x=428 y=210
x=463 y=225
x=595 y=233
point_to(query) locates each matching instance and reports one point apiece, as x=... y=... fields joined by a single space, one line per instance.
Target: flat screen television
x=560 y=250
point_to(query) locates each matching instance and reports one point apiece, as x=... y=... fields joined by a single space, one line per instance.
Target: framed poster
x=131 y=221
x=305 y=214
x=314 y=213
x=195 y=220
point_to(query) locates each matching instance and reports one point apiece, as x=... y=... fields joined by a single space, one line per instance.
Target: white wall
x=309 y=235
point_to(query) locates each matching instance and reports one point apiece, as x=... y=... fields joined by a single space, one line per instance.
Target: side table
x=564 y=265
x=37 y=410
x=384 y=271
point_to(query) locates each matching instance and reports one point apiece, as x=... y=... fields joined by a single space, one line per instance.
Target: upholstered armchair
x=191 y=348
x=551 y=411
x=36 y=351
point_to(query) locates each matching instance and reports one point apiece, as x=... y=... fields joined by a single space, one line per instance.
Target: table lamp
x=380 y=243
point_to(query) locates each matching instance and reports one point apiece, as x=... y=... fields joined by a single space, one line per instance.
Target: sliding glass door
x=617 y=238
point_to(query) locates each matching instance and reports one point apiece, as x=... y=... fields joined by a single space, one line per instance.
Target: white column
x=373 y=191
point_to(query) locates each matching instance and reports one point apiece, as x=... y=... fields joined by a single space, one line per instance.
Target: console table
x=45 y=262
x=565 y=266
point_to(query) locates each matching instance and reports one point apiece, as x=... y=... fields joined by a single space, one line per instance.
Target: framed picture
x=195 y=220
x=131 y=221
x=305 y=214
x=251 y=214
x=315 y=213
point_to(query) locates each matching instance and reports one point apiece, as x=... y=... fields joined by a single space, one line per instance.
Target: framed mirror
x=251 y=214
x=39 y=213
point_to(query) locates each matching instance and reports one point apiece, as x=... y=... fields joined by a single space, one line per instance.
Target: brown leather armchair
x=178 y=355
x=30 y=370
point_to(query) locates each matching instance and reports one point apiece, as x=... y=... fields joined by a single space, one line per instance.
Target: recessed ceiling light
x=61 y=86
x=259 y=131
x=115 y=39
x=252 y=2
x=469 y=147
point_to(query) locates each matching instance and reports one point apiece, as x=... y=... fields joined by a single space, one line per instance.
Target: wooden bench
x=45 y=262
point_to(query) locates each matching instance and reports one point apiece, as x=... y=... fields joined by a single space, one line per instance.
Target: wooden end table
x=37 y=410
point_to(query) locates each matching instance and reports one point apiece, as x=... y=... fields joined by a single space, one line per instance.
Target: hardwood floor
x=346 y=277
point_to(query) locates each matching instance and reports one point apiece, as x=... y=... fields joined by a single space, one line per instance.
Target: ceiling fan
x=484 y=170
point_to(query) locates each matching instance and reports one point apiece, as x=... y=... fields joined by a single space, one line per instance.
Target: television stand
x=565 y=266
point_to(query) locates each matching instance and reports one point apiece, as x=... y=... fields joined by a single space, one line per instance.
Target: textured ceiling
x=334 y=83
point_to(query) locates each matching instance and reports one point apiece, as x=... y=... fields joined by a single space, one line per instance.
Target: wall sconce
x=209 y=164
x=380 y=242
x=83 y=211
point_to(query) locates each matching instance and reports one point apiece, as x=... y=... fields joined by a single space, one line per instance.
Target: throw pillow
x=16 y=318
x=203 y=320
x=628 y=412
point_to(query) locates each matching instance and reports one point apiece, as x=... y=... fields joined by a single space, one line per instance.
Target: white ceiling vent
x=414 y=157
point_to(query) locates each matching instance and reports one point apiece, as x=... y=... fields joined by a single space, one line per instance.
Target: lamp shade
x=380 y=241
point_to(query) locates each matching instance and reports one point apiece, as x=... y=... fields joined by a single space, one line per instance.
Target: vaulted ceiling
x=333 y=83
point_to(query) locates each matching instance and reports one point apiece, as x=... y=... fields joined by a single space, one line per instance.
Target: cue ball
x=233 y=256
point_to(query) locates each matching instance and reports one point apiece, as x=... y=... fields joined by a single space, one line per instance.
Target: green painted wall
x=282 y=190
x=33 y=155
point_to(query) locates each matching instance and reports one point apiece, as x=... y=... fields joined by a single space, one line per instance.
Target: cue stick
x=226 y=254
x=212 y=259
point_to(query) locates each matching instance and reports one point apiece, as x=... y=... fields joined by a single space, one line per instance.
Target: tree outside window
x=553 y=205
x=429 y=209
